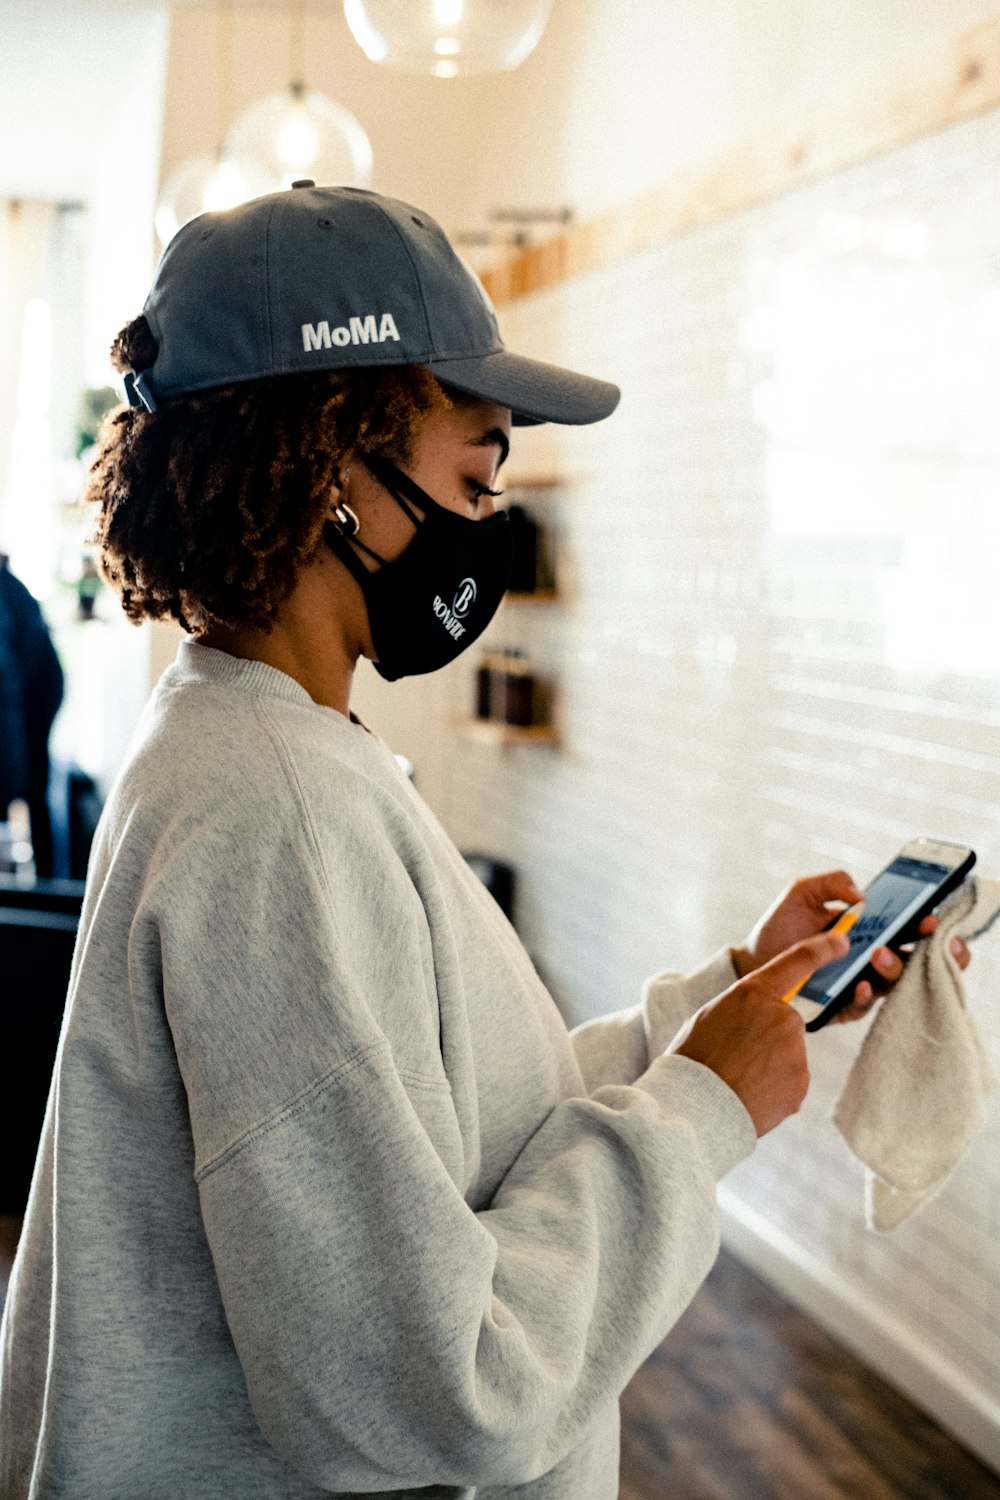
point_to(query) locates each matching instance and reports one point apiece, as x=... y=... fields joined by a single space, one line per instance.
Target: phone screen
x=890 y=901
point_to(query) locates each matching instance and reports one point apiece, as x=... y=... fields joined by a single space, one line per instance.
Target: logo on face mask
x=464 y=599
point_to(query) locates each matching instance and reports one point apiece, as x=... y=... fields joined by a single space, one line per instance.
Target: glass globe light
x=447 y=37
x=300 y=133
x=199 y=184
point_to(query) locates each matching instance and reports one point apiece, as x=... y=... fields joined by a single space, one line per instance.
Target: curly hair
x=210 y=505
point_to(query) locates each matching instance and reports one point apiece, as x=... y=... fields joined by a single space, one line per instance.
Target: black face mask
x=443 y=590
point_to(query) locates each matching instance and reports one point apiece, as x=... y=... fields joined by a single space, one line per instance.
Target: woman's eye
x=477 y=491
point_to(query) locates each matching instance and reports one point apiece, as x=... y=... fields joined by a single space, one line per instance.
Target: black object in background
x=38 y=925
x=497 y=877
x=524 y=540
x=518 y=690
x=31 y=692
x=484 y=688
x=76 y=805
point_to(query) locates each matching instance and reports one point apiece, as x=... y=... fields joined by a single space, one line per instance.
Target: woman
x=328 y=1200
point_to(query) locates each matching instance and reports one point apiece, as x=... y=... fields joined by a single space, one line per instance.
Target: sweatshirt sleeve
x=617 y=1047
x=390 y=1336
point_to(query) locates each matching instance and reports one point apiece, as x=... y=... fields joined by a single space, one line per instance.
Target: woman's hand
x=753 y=1041
x=804 y=908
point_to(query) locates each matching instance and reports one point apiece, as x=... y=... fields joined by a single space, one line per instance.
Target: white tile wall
x=781 y=648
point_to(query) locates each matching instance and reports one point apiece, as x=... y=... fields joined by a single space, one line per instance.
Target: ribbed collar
x=197 y=663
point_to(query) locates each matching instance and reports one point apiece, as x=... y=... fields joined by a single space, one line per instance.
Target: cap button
x=304 y=182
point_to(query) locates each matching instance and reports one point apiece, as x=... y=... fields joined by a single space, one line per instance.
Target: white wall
x=652 y=87
x=779 y=654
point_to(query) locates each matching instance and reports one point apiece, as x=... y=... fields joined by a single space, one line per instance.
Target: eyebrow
x=495 y=438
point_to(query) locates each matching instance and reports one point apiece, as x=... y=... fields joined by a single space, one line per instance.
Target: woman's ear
x=340 y=478
x=338 y=511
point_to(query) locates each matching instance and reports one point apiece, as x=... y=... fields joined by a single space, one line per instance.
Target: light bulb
x=297 y=144
x=225 y=188
x=447 y=12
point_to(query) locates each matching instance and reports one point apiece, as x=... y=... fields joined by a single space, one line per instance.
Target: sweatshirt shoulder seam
x=285 y=758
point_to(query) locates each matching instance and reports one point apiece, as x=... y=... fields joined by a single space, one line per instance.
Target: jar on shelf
x=524 y=546
x=490 y=684
x=483 y=676
x=518 y=690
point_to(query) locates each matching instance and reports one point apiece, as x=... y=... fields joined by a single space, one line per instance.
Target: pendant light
x=299 y=132
x=446 y=38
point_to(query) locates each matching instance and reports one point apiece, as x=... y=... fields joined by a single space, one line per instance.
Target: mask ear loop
x=346 y=523
x=393 y=480
x=398 y=484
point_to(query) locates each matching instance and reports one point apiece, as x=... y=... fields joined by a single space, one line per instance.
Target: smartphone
x=896 y=902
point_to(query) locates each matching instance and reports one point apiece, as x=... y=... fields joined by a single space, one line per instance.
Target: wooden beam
x=946 y=88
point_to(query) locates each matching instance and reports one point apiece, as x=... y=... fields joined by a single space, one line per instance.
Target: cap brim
x=534 y=392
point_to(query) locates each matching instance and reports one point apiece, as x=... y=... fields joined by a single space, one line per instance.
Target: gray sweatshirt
x=328 y=1199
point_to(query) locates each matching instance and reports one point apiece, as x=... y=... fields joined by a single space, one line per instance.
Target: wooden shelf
x=494 y=732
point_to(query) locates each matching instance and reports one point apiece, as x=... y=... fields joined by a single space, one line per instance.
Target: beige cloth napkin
x=914 y=1100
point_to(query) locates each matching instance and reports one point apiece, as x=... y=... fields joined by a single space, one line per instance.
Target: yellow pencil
x=844 y=923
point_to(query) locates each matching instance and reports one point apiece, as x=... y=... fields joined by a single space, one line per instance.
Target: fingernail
x=956 y=947
x=864 y=993
x=883 y=959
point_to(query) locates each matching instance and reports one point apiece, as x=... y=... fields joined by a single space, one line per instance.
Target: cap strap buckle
x=137 y=390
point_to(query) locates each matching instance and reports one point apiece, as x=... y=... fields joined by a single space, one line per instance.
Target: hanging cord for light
x=223 y=73
x=296 y=48
x=226 y=186
x=212 y=179
x=297 y=143
x=299 y=132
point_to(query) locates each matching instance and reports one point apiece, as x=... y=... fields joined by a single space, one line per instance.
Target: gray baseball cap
x=334 y=278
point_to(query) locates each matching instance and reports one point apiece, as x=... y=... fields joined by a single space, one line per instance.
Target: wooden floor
x=748 y=1400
